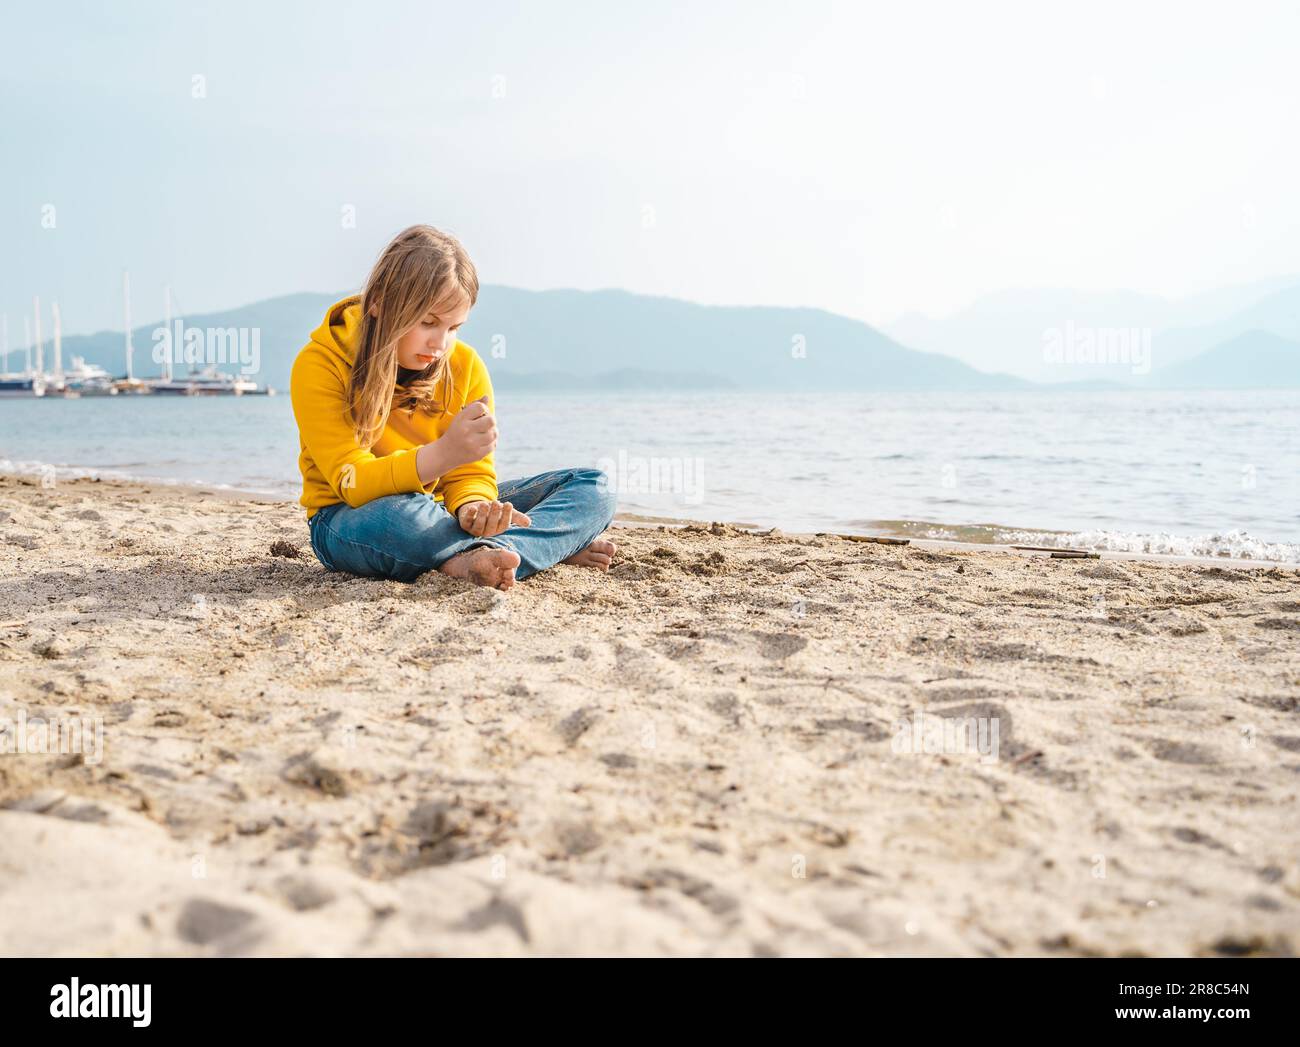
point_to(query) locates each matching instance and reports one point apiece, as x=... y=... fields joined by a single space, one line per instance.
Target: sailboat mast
x=58 y=341
x=167 y=312
x=4 y=339
x=40 y=349
x=126 y=314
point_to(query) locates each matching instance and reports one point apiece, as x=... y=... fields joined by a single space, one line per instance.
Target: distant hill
x=1007 y=330
x=611 y=340
x=1277 y=313
x=1254 y=360
x=761 y=347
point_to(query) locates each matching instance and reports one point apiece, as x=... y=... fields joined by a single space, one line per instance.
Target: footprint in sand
x=203 y=922
x=778 y=646
x=1182 y=752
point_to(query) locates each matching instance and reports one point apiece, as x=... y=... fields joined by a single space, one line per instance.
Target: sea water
x=1192 y=473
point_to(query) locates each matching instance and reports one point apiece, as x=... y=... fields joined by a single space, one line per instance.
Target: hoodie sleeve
x=320 y=408
x=476 y=481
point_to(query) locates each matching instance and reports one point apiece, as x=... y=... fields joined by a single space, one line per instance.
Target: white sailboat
x=167 y=384
x=130 y=384
x=211 y=381
x=89 y=379
x=26 y=382
x=56 y=383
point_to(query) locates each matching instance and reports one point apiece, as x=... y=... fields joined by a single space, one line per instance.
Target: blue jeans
x=401 y=536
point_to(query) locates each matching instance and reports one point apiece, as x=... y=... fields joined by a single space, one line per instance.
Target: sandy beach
x=722 y=747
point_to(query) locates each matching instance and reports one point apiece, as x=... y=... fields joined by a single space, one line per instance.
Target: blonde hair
x=422 y=270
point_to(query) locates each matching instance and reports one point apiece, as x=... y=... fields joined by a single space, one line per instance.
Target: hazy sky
x=868 y=161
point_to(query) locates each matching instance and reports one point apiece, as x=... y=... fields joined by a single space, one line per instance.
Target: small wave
x=1235 y=544
x=50 y=472
x=26 y=467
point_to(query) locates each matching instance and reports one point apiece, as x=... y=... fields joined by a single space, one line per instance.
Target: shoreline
x=722 y=747
x=898 y=529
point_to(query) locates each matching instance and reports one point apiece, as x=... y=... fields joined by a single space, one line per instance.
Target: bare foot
x=598 y=555
x=485 y=565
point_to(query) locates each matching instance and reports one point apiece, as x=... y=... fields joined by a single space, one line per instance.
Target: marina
x=83 y=379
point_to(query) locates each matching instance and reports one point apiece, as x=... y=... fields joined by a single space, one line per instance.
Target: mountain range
x=1243 y=362
x=604 y=340
x=1016 y=328
x=1239 y=337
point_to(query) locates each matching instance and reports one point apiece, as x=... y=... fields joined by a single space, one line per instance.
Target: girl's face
x=431 y=339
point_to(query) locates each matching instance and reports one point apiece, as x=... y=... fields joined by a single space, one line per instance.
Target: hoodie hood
x=340 y=329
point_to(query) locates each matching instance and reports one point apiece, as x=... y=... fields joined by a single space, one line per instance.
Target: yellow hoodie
x=335 y=467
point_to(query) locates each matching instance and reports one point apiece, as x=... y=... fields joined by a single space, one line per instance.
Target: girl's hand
x=471 y=435
x=485 y=519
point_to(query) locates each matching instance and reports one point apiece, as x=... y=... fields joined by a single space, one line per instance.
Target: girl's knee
x=607 y=497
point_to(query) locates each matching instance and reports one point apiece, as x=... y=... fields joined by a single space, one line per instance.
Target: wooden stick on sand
x=865 y=538
x=1060 y=554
